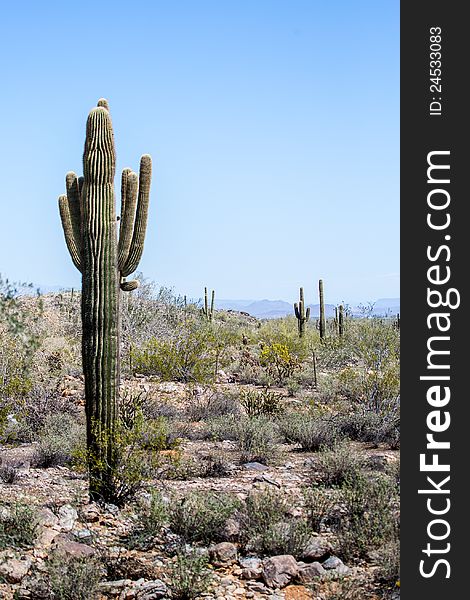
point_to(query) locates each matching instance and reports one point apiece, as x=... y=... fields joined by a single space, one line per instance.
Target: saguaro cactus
x=341 y=320
x=301 y=314
x=88 y=215
x=322 y=310
x=206 y=311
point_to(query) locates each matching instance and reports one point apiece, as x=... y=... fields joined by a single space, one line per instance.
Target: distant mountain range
x=272 y=309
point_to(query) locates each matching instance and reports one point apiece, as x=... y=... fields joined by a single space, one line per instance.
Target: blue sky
x=273 y=127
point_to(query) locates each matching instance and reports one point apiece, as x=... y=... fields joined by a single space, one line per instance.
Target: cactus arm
x=128 y=204
x=70 y=228
x=307 y=314
x=296 y=310
x=212 y=303
x=129 y=286
x=140 y=225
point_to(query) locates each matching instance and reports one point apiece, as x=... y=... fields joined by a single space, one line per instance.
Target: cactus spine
x=88 y=215
x=206 y=311
x=301 y=314
x=322 y=310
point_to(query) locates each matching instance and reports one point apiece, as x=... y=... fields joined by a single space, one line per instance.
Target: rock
x=112 y=509
x=252 y=567
x=150 y=590
x=255 y=466
x=223 y=554
x=46 y=536
x=83 y=534
x=90 y=513
x=231 y=529
x=67 y=517
x=14 y=570
x=47 y=518
x=297 y=592
x=336 y=564
x=68 y=549
x=317 y=548
x=308 y=572
x=278 y=571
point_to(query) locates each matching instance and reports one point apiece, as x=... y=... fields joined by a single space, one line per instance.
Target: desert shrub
x=191 y=354
x=189 y=576
x=371 y=521
x=257 y=438
x=310 y=432
x=284 y=332
x=151 y=517
x=205 y=404
x=338 y=465
x=8 y=474
x=388 y=559
x=74 y=578
x=18 y=525
x=213 y=465
x=261 y=402
x=201 y=516
x=366 y=426
x=279 y=361
x=283 y=537
x=261 y=507
x=137 y=456
x=318 y=505
x=59 y=440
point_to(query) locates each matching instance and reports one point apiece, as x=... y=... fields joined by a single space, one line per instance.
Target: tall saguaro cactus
x=88 y=214
x=301 y=314
x=322 y=310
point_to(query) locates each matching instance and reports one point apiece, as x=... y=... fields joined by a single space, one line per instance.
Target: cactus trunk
x=88 y=215
x=301 y=314
x=322 y=310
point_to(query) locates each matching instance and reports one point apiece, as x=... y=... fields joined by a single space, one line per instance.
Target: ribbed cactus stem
x=301 y=314
x=341 y=320
x=322 y=310
x=88 y=214
x=206 y=311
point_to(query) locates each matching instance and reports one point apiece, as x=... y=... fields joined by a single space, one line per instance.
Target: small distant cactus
x=88 y=215
x=206 y=311
x=322 y=310
x=301 y=314
x=341 y=320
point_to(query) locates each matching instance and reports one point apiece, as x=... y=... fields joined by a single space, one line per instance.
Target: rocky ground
x=70 y=527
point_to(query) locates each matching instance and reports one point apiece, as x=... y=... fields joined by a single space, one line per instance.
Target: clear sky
x=273 y=127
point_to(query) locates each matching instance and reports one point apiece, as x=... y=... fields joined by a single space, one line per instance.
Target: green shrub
x=209 y=404
x=279 y=361
x=261 y=402
x=151 y=518
x=319 y=504
x=201 y=516
x=74 y=578
x=339 y=465
x=257 y=437
x=311 y=433
x=388 y=559
x=137 y=453
x=59 y=440
x=189 y=355
x=283 y=537
x=189 y=576
x=18 y=525
x=371 y=521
